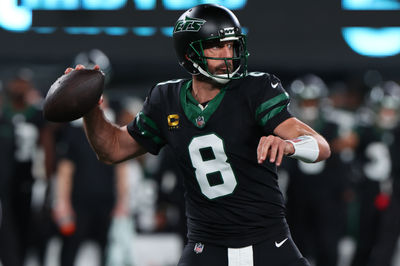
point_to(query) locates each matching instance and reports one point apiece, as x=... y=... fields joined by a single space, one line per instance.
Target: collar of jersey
x=191 y=106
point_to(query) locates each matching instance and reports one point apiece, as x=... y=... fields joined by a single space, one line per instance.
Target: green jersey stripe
x=271 y=102
x=147 y=133
x=147 y=120
x=271 y=114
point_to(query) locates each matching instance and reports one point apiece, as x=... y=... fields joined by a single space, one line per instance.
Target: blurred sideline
x=168 y=249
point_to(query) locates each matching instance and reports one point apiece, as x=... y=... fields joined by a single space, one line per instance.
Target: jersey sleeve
x=145 y=128
x=272 y=103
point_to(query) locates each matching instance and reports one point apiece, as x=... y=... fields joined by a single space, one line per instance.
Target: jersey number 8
x=213 y=172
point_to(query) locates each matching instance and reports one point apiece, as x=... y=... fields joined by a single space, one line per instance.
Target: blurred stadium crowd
x=56 y=196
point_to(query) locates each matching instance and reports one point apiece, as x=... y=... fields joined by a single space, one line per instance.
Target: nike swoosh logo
x=278 y=245
x=274 y=85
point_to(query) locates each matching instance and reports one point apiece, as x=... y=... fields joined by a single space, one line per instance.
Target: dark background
x=288 y=38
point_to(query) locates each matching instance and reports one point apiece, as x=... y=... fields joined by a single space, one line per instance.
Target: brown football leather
x=72 y=95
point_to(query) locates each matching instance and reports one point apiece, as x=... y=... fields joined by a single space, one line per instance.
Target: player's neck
x=204 y=90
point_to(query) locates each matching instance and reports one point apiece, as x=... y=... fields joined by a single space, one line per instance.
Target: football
x=72 y=95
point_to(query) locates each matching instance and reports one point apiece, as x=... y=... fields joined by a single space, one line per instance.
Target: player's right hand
x=78 y=67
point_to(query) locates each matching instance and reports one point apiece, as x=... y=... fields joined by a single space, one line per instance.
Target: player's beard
x=220 y=69
x=223 y=68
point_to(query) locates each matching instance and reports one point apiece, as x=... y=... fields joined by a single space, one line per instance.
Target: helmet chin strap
x=220 y=78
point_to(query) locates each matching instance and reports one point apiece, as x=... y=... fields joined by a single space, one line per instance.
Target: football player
x=384 y=248
x=316 y=191
x=376 y=157
x=22 y=123
x=229 y=130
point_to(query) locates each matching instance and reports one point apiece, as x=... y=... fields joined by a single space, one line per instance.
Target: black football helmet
x=385 y=95
x=95 y=57
x=309 y=87
x=309 y=94
x=205 y=25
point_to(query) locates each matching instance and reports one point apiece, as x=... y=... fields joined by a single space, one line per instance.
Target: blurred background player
x=315 y=195
x=7 y=167
x=32 y=137
x=373 y=164
x=170 y=201
x=88 y=193
x=389 y=227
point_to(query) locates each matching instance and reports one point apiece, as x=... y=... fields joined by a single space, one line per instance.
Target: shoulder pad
x=258 y=74
x=169 y=82
x=274 y=79
x=159 y=91
x=265 y=78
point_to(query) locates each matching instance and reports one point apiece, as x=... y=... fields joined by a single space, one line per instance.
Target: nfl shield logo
x=200 y=121
x=198 y=248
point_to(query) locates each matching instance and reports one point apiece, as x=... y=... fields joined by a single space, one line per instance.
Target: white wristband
x=305 y=148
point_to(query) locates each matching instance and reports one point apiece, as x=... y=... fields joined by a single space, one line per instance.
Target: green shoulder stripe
x=148 y=121
x=140 y=119
x=271 y=102
x=271 y=114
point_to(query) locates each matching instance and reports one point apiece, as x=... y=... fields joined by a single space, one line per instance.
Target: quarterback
x=229 y=130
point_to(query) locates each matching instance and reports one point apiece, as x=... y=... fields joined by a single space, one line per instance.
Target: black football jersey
x=373 y=156
x=231 y=200
x=7 y=162
x=324 y=179
x=26 y=125
x=93 y=181
x=394 y=152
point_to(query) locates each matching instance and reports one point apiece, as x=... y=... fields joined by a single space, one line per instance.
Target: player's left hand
x=274 y=148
